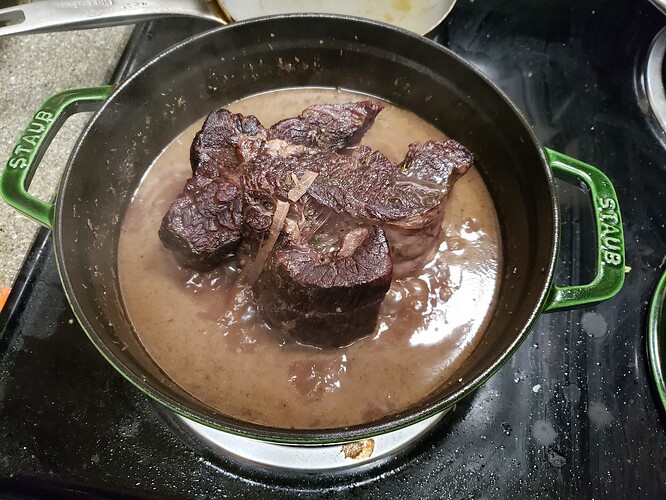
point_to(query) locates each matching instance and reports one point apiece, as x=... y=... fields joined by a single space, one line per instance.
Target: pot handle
x=42 y=16
x=610 y=236
x=34 y=142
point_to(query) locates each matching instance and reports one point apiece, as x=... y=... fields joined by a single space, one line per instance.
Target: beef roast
x=363 y=220
x=364 y=185
x=437 y=163
x=329 y=127
x=202 y=224
x=200 y=228
x=215 y=146
x=327 y=295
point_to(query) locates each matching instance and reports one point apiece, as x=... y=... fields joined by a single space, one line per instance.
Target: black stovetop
x=573 y=414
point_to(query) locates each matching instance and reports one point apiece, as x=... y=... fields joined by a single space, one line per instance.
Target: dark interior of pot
x=186 y=83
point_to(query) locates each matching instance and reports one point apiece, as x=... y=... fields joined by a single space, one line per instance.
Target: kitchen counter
x=32 y=68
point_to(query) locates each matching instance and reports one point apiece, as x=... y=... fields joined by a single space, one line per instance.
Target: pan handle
x=610 y=237
x=57 y=15
x=34 y=142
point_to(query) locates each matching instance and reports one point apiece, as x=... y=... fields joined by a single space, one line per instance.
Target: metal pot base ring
x=311 y=458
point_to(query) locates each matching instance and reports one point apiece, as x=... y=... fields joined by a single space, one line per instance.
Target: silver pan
x=419 y=16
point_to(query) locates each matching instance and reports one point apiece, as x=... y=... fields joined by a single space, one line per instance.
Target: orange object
x=4 y=293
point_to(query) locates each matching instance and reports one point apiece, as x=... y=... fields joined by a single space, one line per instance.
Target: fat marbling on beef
x=361 y=222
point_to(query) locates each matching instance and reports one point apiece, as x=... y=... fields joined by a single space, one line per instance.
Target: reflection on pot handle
x=34 y=142
x=610 y=237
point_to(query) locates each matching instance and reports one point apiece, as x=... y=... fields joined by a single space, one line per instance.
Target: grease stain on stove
x=572 y=393
x=359 y=450
x=555 y=459
x=544 y=433
x=129 y=428
x=519 y=376
x=39 y=329
x=594 y=324
x=599 y=415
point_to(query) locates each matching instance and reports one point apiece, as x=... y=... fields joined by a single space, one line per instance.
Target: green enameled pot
x=210 y=70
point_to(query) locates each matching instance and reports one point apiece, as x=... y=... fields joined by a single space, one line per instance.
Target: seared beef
x=363 y=220
x=330 y=127
x=364 y=185
x=268 y=175
x=327 y=295
x=368 y=185
x=192 y=227
x=437 y=163
x=214 y=147
x=202 y=224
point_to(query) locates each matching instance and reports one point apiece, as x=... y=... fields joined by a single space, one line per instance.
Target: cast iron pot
x=136 y=120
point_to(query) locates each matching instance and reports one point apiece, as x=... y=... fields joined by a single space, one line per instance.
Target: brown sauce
x=428 y=326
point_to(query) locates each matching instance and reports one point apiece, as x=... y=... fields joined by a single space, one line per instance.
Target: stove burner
x=312 y=458
x=654 y=78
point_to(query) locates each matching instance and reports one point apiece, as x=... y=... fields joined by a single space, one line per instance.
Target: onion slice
x=279 y=217
x=301 y=185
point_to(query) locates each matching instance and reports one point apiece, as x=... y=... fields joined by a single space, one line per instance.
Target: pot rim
x=306 y=436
